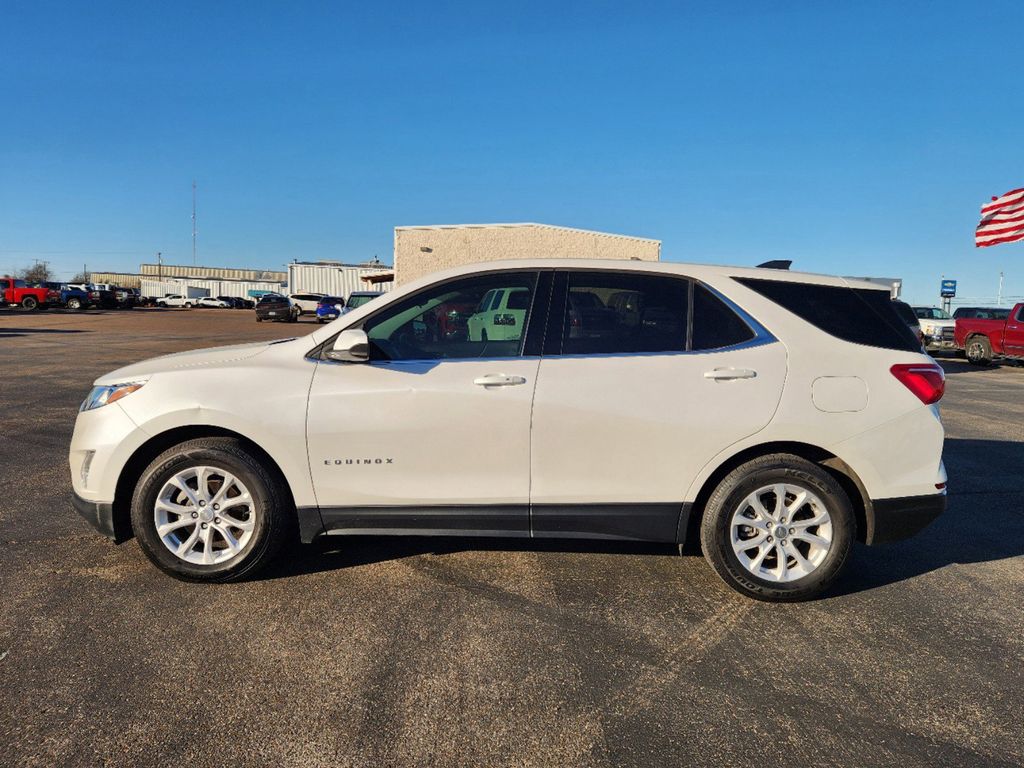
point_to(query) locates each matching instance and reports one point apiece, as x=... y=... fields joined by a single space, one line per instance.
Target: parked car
x=305 y=303
x=177 y=300
x=747 y=419
x=329 y=308
x=235 y=302
x=212 y=302
x=500 y=314
x=937 y=328
x=125 y=297
x=986 y=339
x=357 y=299
x=14 y=291
x=274 y=306
x=64 y=295
x=909 y=316
x=985 y=313
x=103 y=298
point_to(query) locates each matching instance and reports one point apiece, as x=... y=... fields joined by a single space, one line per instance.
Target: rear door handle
x=498 y=380
x=727 y=374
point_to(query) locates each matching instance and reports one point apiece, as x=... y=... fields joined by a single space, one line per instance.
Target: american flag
x=1002 y=220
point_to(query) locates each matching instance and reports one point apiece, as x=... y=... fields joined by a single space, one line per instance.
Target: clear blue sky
x=851 y=137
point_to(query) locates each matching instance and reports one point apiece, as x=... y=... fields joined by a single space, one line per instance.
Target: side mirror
x=350 y=346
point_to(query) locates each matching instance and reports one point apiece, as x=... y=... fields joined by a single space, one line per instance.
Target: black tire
x=30 y=303
x=188 y=305
x=715 y=532
x=978 y=350
x=259 y=319
x=74 y=304
x=293 y=317
x=275 y=518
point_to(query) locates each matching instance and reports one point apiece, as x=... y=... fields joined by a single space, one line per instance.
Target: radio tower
x=193 y=222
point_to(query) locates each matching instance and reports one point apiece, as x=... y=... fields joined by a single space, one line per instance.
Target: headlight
x=100 y=396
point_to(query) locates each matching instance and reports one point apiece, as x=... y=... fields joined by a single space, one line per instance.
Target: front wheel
x=209 y=510
x=979 y=350
x=778 y=528
x=74 y=304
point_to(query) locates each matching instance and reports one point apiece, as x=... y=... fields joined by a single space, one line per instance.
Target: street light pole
x=193 y=222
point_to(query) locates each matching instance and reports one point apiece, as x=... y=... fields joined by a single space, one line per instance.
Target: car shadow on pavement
x=330 y=553
x=952 y=367
x=984 y=521
x=4 y=331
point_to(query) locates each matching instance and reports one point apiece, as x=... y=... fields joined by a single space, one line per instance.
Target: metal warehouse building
x=210 y=273
x=189 y=286
x=336 y=279
x=422 y=250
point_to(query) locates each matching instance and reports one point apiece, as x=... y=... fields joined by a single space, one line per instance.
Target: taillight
x=928 y=382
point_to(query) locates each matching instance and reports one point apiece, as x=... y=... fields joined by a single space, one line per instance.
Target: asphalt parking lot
x=378 y=651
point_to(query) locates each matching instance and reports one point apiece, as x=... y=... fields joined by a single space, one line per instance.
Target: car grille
x=947 y=334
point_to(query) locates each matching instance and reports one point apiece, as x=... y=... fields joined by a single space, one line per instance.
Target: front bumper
x=897 y=519
x=100 y=515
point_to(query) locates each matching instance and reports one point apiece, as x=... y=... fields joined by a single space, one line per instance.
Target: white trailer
x=334 y=278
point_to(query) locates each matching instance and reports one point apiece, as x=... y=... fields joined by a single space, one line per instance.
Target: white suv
x=780 y=415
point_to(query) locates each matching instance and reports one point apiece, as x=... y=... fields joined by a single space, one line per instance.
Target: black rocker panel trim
x=663 y=522
x=449 y=520
x=635 y=522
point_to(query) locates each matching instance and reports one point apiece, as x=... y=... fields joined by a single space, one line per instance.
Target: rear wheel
x=208 y=510
x=30 y=303
x=74 y=303
x=979 y=350
x=778 y=528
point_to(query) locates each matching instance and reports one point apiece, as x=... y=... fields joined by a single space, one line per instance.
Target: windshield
x=357 y=301
x=932 y=313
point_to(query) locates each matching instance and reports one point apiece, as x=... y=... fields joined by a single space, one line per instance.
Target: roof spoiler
x=776 y=264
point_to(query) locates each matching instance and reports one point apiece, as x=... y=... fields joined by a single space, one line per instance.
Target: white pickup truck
x=937 y=328
x=176 y=300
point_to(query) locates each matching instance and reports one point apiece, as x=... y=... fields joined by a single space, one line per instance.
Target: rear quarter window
x=858 y=315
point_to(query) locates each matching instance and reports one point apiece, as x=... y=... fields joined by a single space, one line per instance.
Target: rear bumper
x=897 y=519
x=100 y=515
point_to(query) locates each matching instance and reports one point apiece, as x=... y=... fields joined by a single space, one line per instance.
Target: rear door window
x=715 y=324
x=624 y=312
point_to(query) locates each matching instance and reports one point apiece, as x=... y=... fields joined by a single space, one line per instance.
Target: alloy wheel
x=205 y=515
x=781 y=532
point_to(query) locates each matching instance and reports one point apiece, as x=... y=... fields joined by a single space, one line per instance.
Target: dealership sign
x=948 y=289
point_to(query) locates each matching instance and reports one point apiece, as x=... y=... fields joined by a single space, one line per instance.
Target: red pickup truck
x=17 y=292
x=986 y=339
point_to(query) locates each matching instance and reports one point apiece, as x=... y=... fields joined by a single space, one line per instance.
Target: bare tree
x=37 y=273
x=81 y=277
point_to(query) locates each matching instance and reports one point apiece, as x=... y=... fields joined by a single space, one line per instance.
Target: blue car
x=329 y=308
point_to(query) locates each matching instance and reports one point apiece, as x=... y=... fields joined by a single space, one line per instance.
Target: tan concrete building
x=422 y=250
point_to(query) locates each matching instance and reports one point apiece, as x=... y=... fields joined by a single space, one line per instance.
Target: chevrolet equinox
x=778 y=416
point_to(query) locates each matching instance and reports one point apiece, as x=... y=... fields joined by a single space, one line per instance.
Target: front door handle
x=728 y=374
x=498 y=380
